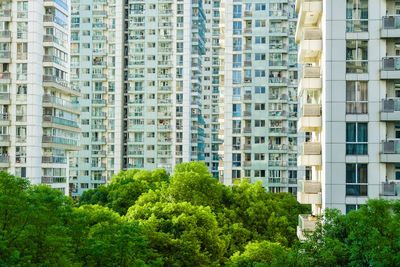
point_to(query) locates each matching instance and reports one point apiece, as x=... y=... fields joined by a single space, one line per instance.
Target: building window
x=357 y=16
x=237 y=110
x=352 y=207
x=260 y=40
x=259 y=156
x=22 y=30
x=259 y=90
x=237 y=27
x=236 y=174
x=259 y=106
x=22 y=72
x=236 y=159
x=259 y=123
x=237 y=44
x=237 y=61
x=259 y=173
x=259 y=73
x=356 y=138
x=237 y=77
x=356 y=180
x=237 y=11
x=356 y=97
x=260 y=6
x=356 y=56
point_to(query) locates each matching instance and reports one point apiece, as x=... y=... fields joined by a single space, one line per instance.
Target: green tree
x=365 y=237
x=33 y=224
x=185 y=235
x=100 y=237
x=124 y=189
x=260 y=254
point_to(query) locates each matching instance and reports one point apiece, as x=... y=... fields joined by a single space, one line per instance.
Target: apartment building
x=211 y=85
x=94 y=69
x=39 y=110
x=350 y=91
x=258 y=100
x=141 y=66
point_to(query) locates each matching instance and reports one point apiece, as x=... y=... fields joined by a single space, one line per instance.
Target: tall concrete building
x=39 y=110
x=95 y=69
x=211 y=84
x=350 y=93
x=258 y=100
x=150 y=86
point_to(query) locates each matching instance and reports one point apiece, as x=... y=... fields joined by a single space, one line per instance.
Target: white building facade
x=349 y=92
x=258 y=100
x=39 y=110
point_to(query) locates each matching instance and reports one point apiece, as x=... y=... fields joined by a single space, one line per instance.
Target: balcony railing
x=311 y=148
x=62 y=121
x=5 y=54
x=5 y=75
x=5 y=34
x=4 y=158
x=310 y=110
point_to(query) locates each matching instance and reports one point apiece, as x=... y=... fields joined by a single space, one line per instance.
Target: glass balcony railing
x=62 y=121
x=59 y=140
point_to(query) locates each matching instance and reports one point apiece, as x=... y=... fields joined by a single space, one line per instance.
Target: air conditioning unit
x=388 y=105
x=388 y=147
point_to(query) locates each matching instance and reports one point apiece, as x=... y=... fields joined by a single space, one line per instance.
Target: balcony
x=5 y=36
x=5 y=77
x=311 y=79
x=51 y=159
x=59 y=84
x=53 y=180
x=4 y=119
x=390 y=26
x=5 y=56
x=310 y=46
x=4 y=98
x=247 y=147
x=390 y=109
x=56 y=122
x=4 y=140
x=246 y=163
x=5 y=15
x=309 y=192
x=310 y=118
x=390 y=151
x=307 y=224
x=390 y=190
x=246 y=113
x=310 y=154
x=247 y=130
x=309 y=12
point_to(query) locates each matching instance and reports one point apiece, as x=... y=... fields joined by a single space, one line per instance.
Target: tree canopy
x=148 y=218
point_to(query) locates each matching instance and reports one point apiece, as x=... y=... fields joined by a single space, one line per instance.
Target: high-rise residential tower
x=350 y=91
x=211 y=84
x=39 y=119
x=140 y=65
x=259 y=94
x=94 y=69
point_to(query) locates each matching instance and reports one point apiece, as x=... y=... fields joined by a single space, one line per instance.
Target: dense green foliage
x=369 y=236
x=147 y=218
